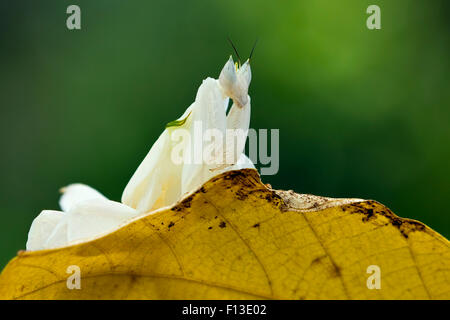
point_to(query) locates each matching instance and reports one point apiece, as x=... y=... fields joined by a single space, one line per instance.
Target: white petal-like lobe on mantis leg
x=42 y=227
x=207 y=111
x=238 y=122
x=76 y=193
x=95 y=217
x=156 y=182
x=58 y=237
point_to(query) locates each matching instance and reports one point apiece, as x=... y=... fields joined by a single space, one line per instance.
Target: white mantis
x=159 y=181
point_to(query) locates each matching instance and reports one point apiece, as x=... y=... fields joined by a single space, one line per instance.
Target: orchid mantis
x=159 y=181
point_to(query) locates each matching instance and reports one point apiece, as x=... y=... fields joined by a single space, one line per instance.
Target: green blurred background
x=362 y=113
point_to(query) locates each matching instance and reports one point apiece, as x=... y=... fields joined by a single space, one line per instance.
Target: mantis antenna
x=235 y=50
x=253 y=49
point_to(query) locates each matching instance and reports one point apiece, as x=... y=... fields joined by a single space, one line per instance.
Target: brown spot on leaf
x=241 y=194
x=336 y=271
x=317 y=259
x=370 y=209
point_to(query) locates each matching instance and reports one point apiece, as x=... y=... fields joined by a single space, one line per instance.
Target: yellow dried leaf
x=235 y=238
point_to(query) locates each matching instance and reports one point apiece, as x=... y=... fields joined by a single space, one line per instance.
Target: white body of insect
x=160 y=181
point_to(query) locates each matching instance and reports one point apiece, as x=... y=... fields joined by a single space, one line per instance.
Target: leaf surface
x=235 y=238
